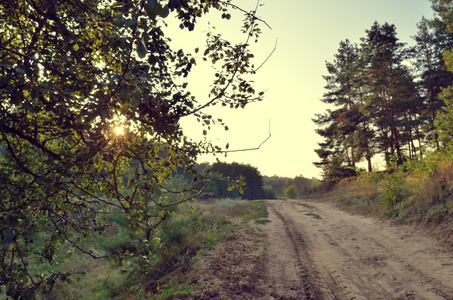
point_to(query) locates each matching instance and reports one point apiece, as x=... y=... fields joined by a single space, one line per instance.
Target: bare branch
x=249 y=13
x=249 y=149
x=272 y=52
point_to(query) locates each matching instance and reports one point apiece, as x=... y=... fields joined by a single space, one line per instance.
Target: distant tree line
x=389 y=100
x=279 y=185
x=224 y=182
x=223 y=176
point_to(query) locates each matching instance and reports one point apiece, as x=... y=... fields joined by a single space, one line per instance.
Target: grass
x=193 y=229
x=262 y=221
x=313 y=215
x=357 y=195
x=257 y=211
x=420 y=193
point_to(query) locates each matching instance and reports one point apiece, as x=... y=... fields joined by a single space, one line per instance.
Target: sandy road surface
x=341 y=256
x=313 y=250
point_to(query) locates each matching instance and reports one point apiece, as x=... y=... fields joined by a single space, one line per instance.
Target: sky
x=307 y=33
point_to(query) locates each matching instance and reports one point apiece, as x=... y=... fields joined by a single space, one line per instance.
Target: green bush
x=395 y=189
x=291 y=192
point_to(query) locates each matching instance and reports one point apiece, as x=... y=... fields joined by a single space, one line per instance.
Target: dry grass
x=405 y=197
x=431 y=202
x=355 y=194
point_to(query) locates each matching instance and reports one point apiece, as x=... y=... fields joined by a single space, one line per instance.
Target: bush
x=395 y=189
x=268 y=193
x=291 y=192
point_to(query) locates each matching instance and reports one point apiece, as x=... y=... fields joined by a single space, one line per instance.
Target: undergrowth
x=419 y=192
x=193 y=228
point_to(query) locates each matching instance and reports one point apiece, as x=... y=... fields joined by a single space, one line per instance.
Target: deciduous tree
x=70 y=73
x=291 y=192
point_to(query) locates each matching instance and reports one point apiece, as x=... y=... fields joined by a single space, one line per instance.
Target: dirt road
x=313 y=250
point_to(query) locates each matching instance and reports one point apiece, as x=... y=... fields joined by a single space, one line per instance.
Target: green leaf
x=130 y=23
x=141 y=49
x=164 y=12
x=151 y=3
x=20 y=71
x=118 y=17
x=117 y=5
x=10 y=246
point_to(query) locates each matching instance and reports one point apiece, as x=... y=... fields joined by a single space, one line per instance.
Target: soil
x=313 y=250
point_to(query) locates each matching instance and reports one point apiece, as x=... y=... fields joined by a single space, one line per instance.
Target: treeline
x=278 y=185
x=390 y=101
x=223 y=182
x=222 y=177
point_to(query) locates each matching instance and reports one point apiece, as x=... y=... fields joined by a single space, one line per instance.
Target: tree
x=251 y=177
x=303 y=185
x=432 y=40
x=444 y=8
x=392 y=99
x=378 y=107
x=291 y=192
x=72 y=73
x=347 y=133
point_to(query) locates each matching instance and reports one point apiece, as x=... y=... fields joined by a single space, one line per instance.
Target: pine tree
x=432 y=40
x=345 y=129
x=391 y=89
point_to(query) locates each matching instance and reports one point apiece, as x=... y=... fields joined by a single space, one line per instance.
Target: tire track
x=311 y=283
x=351 y=257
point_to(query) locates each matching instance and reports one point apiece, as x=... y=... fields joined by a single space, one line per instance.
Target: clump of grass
x=258 y=210
x=356 y=194
x=313 y=215
x=430 y=202
x=262 y=221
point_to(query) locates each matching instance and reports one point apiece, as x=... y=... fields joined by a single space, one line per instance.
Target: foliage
x=394 y=189
x=70 y=73
x=197 y=226
x=268 y=193
x=417 y=187
x=381 y=106
x=291 y=192
x=278 y=184
x=225 y=176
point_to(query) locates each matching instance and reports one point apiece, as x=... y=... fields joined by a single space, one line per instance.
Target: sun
x=118 y=130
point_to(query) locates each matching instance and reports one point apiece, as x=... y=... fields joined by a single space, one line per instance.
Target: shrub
x=394 y=189
x=291 y=192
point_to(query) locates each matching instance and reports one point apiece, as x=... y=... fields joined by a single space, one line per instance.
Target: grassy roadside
x=193 y=229
x=418 y=193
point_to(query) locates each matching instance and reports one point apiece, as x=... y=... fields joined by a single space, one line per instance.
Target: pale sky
x=308 y=33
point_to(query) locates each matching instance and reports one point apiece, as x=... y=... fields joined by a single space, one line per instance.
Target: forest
x=389 y=102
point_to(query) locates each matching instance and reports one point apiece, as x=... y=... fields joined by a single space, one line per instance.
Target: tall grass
x=356 y=194
x=192 y=229
x=420 y=192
